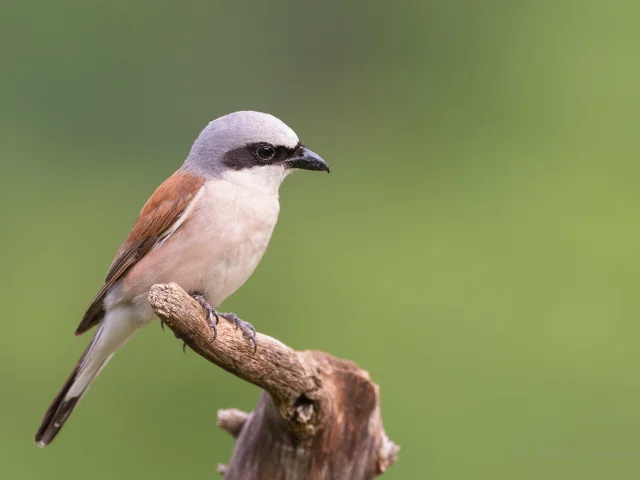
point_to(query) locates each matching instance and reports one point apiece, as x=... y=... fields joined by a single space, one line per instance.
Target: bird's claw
x=212 y=315
x=213 y=319
x=248 y=331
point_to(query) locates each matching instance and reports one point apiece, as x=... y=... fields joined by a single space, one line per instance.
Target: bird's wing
x=162 y=215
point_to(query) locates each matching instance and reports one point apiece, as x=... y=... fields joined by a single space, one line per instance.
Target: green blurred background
x=476 y=247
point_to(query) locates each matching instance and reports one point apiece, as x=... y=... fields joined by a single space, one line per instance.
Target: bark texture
x=318 y=418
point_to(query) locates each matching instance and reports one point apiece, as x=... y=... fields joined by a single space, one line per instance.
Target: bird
x=206 y=228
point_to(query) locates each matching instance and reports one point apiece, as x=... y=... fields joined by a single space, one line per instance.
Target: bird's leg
x=247 y=329
x=212 y=316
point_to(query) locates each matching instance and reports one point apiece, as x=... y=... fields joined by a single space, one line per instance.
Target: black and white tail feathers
x=58 y=411
x=87 y=368
x=114 y=331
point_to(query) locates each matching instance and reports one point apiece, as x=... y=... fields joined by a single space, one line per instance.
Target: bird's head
x=252 y=148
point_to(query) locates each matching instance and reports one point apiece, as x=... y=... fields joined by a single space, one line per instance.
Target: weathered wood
x=231 y=420
x=319 y=418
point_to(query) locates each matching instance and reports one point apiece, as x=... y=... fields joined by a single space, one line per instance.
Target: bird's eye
x=266 y=152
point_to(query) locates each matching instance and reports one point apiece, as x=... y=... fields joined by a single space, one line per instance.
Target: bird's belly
x=226 y=272
x=213 y=253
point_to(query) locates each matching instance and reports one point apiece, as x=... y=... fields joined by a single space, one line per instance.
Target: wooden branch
x=231 y=420
x=319 y=417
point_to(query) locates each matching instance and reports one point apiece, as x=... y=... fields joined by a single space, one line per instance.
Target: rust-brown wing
x=161 y=212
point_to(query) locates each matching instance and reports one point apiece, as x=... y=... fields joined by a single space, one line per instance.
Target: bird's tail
x=111 y=335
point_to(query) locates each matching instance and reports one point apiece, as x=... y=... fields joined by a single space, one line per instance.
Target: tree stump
x=318 y=418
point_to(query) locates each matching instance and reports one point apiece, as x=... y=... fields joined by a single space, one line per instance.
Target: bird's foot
x=247 y=329
x=213 y=317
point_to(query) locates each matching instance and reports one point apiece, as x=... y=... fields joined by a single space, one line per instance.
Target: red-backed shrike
x=206 y=228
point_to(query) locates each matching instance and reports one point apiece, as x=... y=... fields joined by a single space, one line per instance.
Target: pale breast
x=216 y=249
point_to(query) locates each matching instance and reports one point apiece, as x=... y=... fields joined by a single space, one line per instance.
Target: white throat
x=264 y=179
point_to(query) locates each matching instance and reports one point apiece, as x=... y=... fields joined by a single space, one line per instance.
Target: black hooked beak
x=307 y=160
